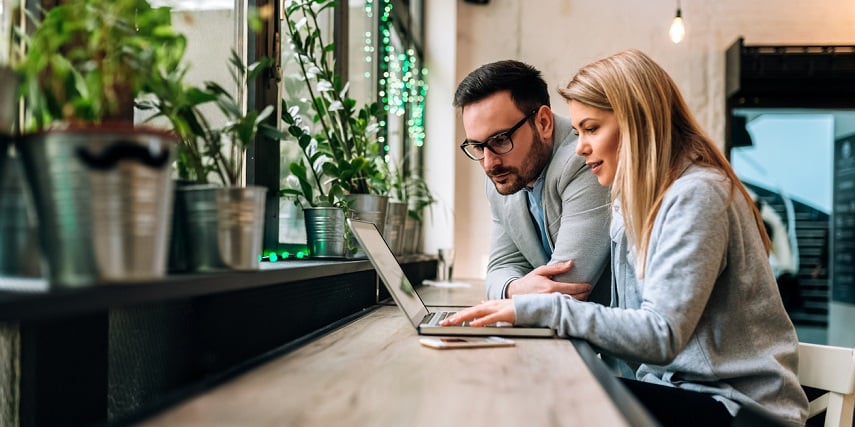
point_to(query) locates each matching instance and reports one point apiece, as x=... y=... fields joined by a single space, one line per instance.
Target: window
x=382 y=56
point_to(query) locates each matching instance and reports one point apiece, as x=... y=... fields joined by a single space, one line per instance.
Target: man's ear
x=544 y=122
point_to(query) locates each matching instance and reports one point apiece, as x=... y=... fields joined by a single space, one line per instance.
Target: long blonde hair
x=659 y=136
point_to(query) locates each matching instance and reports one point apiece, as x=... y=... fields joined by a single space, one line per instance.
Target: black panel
x=153 y=349
x=790 y=75
x=64 y=371
x=240 y=325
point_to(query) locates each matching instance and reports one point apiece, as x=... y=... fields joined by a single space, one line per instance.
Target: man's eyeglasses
x=500 y=143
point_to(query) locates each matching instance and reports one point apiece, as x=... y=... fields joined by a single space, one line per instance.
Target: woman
x=695 y=306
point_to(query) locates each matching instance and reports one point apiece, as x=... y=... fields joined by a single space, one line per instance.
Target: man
x=550 y=215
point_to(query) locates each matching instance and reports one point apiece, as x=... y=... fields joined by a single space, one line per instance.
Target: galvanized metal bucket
x=103 y=199
x=393 y=231
x=240 y=225
x=19 y=249
x=325 y=232
x=370 y=208
x=197 y=243
x=412 y=235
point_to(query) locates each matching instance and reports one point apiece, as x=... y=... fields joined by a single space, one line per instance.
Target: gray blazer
x=577 y=212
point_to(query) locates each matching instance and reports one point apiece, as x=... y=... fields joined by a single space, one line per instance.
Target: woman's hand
x=486 y=313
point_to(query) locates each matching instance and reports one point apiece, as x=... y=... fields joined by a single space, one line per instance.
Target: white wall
x=440 y=59
x=559 y=36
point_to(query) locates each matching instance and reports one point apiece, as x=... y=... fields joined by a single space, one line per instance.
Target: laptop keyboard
x=433 y=319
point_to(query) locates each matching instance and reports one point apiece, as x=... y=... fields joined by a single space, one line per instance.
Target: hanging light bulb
x=678 y=29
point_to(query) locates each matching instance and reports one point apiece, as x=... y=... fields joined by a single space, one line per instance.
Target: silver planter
x=195 y=245
x=103 y=199
x=240 y=225
x=412 y=235
x=370 y=208
x=393 y=230
x=325 y=232
x=19 y=248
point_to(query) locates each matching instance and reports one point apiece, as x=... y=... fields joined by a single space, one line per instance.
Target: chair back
x=830 y=369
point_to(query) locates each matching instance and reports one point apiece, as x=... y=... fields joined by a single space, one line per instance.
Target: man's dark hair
x=524 y=82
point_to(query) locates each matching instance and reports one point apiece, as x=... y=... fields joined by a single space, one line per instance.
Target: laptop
x=425 y=321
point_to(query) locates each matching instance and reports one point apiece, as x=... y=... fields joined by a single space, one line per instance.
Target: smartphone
x=446 y=343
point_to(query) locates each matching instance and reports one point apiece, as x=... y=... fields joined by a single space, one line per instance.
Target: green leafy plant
x=88 y=59
x=343 y=156
x=207 y=150
x=315 y=176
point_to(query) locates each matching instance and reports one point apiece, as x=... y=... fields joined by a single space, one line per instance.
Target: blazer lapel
x=527 y=237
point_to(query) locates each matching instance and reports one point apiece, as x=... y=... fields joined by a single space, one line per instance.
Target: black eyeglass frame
x=507 y=133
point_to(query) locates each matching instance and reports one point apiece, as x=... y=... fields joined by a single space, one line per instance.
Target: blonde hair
x=659 y=137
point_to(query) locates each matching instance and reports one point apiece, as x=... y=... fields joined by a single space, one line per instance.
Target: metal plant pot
x=370 y=208
x=412 y=235
x=178 y=255
x=240 y=225
x=393 y=230
x=19 y=249
x=196 y=245
x=325 y=232
x=103 y=199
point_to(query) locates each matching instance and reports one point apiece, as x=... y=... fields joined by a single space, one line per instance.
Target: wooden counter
x=373 y=372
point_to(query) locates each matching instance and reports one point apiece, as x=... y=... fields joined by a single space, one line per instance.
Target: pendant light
x=678 y=29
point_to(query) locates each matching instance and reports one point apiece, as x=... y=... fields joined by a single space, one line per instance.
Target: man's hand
x=539 y=281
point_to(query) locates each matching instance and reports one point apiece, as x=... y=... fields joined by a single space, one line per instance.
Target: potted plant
x=223 y=221
x=100 y=186
x=318 y=192
x=346 y=136
x=396 y=209
x=417 y=196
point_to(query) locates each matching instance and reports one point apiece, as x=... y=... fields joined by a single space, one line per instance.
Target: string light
x=401 y=80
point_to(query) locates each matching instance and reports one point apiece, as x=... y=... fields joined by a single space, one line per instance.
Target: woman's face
x=599 y=138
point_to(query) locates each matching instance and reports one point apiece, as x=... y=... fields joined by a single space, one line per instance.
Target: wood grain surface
x=374 y=372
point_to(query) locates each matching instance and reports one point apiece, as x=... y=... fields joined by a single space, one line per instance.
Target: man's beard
x=520 y=177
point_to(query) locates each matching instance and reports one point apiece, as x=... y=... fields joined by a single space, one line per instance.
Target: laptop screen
x=389 y=270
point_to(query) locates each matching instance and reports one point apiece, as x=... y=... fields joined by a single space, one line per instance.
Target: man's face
x=532 y=145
